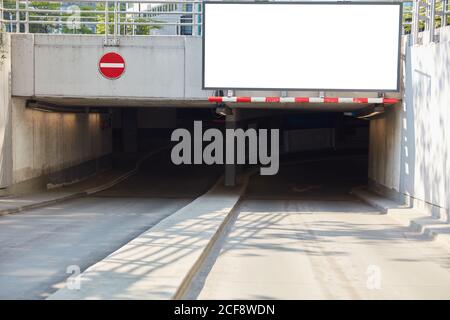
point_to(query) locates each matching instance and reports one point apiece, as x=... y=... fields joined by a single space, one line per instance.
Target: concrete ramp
x=159 y=263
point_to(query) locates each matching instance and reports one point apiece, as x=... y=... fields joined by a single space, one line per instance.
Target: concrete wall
x=308 y=139
x=5 y=112
x=67 y=65
x=157 y=118
x=409 y=150
x=157 y=68
x=385 y=147
x=40 y=148
x=142 y=128
x=51 y=147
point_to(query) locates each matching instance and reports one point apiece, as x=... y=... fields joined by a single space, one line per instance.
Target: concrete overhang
x=76 y=102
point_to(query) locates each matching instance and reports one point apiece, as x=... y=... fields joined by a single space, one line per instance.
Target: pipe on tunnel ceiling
x=50 y=107
x=367 y=113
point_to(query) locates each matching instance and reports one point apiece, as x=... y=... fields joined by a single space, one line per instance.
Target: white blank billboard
x=303 y=46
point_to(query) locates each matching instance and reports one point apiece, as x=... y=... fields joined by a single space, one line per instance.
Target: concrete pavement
x=300 y=247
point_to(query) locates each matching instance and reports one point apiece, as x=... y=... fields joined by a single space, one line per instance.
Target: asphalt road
x=38 y=246
x=300 y=235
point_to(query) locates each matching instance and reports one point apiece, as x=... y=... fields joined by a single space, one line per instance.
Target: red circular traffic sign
x=111 y=65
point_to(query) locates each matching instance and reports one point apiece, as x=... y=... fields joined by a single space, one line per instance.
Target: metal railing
x=171 y=17
x=111 y=18
x=425 y=16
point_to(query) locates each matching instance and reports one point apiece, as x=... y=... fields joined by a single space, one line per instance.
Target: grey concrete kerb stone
x=382 y=204
x=431 y=228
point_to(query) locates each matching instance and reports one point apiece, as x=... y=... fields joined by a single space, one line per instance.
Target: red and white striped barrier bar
x=303 y=100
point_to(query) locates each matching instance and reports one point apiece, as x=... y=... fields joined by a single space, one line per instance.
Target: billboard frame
x=400 y=4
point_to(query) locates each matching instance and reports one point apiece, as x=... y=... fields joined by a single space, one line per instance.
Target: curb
x=370 y=199
x=430 y=233
x=18 y=209
x=400 y=214
x=86 y=192
x=187 y=281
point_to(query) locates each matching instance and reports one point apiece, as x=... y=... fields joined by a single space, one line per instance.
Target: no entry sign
x=111 y=65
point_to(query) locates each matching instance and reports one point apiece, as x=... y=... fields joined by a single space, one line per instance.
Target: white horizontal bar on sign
x=111 y=65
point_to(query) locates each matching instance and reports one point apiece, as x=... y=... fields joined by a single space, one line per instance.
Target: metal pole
x=200 y=19
x=444 y=13
x=415 y=22
x=115 y=20
x=118 y=18
x=60 y=15
x=194 y=19
x=126 y=15
x=3 y=17
x=27 y=18
x=106 y=20
x=134 y=18
x=432 y=14
x=17 y=17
